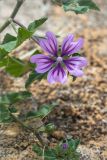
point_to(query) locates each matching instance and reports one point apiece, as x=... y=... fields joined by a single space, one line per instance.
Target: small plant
x=57 y=64
x=65 y=150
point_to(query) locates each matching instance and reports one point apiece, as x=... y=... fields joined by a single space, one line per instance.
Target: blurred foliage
x=34 y=76
x=7 y=101
x=42 y=112
x=78 y=6
x=58 y=152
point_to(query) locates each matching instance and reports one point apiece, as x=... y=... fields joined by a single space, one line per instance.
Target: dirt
x=82 y=105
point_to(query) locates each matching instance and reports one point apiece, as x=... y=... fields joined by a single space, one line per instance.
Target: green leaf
x=49 y=128
x=77 y=10
x=35 y=24
x=73 y=143
x=23 y=34
x=8 y=46
x=48 y=154
x=15 y=66
x=43 y=111
x=4 y=114
x=11 y=98
x=37 y=149
x=89 y=3
x=10 y=42
x=8 y=37
x=4 y=62
x=34 y=76
x=76 y=144
x=79 y=6
x=3 y=53
x=12 y=109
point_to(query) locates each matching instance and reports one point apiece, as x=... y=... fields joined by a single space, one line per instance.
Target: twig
x=35 y=39
x=14 y=28
x=13 y=14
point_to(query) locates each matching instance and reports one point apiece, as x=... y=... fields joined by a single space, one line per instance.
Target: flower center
x=59 y=59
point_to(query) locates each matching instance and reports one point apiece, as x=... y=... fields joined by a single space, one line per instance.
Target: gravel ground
x=82 y=109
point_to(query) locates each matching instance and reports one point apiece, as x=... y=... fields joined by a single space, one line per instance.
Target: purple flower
x=65 y=146
x=59 y=62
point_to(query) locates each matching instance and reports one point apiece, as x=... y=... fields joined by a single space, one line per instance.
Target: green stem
x=28 y=128
x=13 y=14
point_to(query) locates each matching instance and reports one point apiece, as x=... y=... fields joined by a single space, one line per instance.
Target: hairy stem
x=28 y=129
x=13 y=14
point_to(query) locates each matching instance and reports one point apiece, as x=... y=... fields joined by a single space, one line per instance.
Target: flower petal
x=66 y=42
x=49 y=44
x=57 y=74
x=38 y=58
x=72 y=47
x=77 y=72
x=78 y=46
x=42 y=67
x=53 y=40
x=74 y=70
x=77 y=61
x=44 y=63
x=50 y=77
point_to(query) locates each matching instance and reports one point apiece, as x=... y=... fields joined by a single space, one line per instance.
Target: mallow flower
x=57 y=63
x=65 y=146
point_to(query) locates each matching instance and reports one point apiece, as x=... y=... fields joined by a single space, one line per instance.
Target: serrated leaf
x=34 y=76
x=35 y=24
x=11 y=98
x=23 y=34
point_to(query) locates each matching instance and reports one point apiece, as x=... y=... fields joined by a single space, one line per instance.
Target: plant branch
x=28 y=129
x=13 y=14
x=35 y=39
